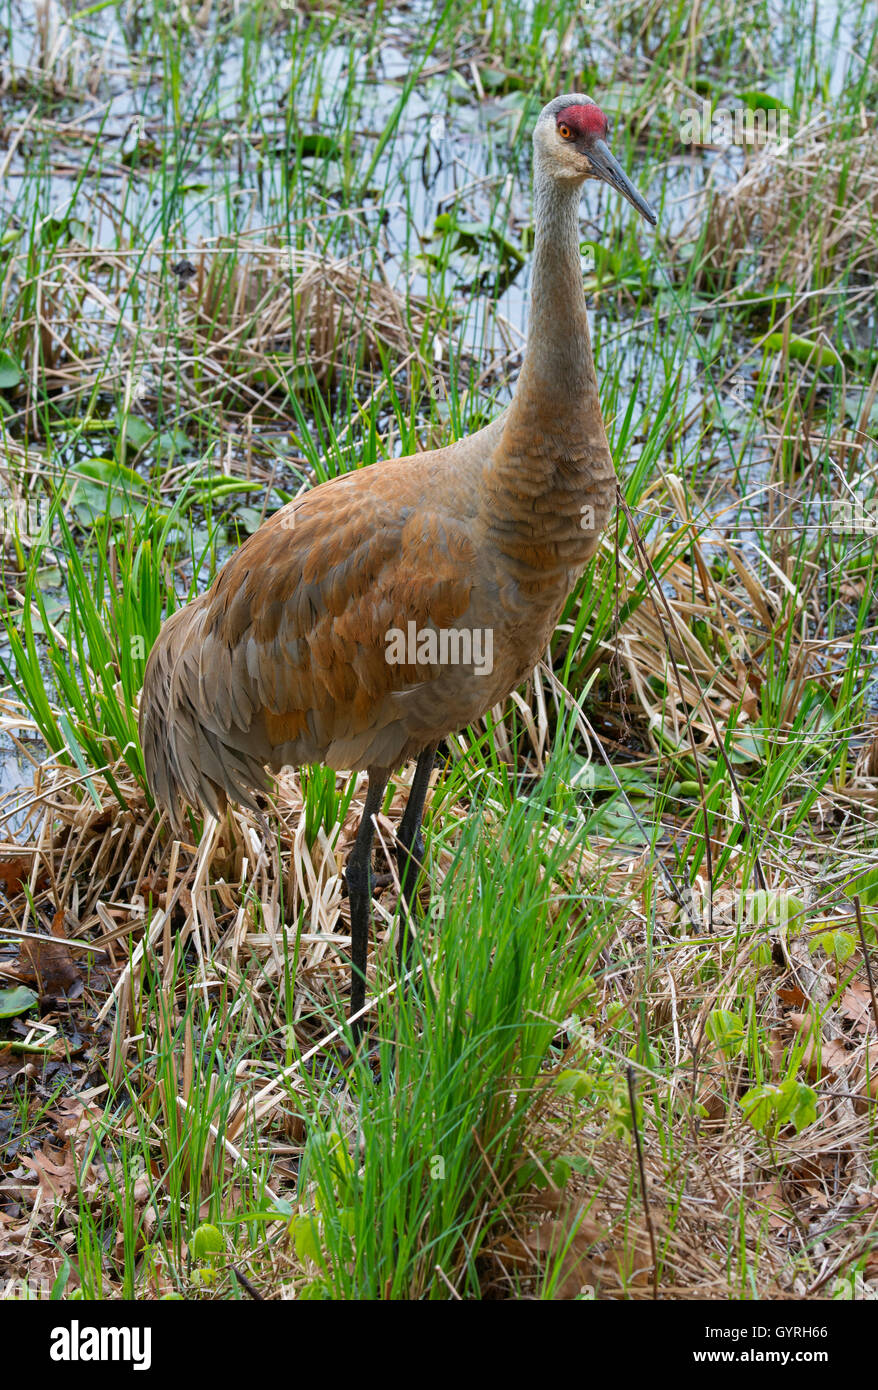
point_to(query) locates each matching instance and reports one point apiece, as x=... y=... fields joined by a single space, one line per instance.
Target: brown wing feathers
x=285 y=657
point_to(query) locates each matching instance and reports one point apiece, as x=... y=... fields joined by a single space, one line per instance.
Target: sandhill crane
x=391 y=606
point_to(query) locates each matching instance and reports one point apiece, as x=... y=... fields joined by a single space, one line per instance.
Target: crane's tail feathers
x=187 y=760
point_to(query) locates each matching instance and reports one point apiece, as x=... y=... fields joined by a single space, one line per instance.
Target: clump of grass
x=119 y=590
x=254 y=321
x=403 y=1203
x=800 y=214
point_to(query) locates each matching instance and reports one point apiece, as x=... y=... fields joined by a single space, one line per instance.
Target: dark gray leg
x=358 y=872
x=410 y=846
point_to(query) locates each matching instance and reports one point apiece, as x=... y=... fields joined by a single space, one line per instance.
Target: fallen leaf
x=776 y=1051
x=16 y=870
x=771 y=1197
x=548 y=1245
x=73 y=1119
x=822 y=1057
x=794 y=997
x=48 y=964
x=55 y=1168
x=11 y=1063
x=856 y=1004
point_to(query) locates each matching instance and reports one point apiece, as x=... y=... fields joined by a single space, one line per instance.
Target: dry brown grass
x=234 y=325
x=802 y=212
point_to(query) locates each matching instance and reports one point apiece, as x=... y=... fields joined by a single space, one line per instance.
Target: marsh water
x=155 y=131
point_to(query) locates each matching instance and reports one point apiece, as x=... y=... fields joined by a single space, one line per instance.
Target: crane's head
x=570 y=142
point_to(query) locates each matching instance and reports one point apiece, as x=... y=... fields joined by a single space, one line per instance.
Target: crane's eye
x=565 y=132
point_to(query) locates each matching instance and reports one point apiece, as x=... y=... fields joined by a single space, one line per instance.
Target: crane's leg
x=410 y=845
x=358 y=872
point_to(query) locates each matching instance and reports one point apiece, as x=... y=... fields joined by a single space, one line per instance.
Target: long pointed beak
x=611 y=171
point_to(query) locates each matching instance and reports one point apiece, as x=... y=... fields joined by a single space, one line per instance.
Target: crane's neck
x=556 y=404
x=558 y=364
x=549 y=485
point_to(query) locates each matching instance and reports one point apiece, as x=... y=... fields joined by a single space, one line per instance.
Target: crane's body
x=284 y=660
x=290 y=657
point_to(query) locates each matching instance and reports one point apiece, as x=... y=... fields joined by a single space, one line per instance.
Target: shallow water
x=451 y=151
